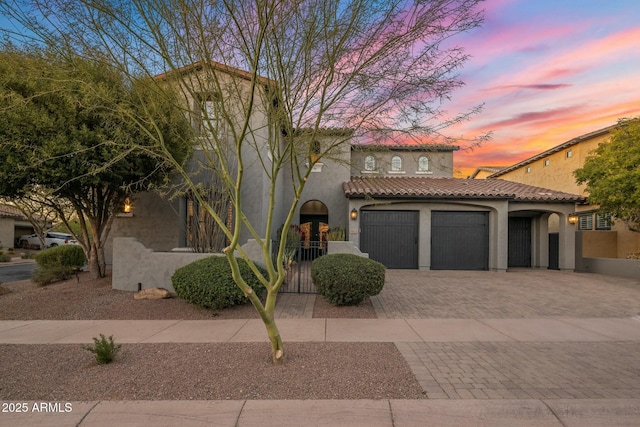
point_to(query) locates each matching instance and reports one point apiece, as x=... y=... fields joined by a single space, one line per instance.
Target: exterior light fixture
x=573 y=219
x=127 y=206
x=354 y=214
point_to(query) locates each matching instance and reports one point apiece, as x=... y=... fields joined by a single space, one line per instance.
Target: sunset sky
x=547 y=71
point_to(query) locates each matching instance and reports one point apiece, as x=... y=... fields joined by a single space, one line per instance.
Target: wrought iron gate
x=299 y=259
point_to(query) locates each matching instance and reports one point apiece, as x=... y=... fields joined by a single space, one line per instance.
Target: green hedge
x=208 y=283
x=58 y=263
x=346 y=279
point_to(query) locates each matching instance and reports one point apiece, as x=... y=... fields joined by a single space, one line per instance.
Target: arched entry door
x=314 y=224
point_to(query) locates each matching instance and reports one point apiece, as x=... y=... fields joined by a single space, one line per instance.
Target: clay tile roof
x=452 y=188
x=7 y=211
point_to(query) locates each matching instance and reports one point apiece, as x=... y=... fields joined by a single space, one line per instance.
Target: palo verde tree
x=265 y=79
x=612 y=174
x=74 y=137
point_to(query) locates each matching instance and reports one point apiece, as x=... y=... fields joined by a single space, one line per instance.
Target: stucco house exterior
x=13 y=224
x=598 y=236
x=398 y=203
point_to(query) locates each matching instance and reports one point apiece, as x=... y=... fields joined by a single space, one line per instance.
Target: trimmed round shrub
x=346 y=279
x=209 y=283
x=58 y=263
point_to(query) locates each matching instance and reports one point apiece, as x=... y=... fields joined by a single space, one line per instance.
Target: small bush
x=337 y=234
x=208 y=283
x=104 y=349
x=346 y=279
x=4 y=257
x=58 y=263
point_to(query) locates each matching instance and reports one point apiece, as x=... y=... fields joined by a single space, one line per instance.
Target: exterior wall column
x=567 y=235
x=499 y=237
x=353 y=226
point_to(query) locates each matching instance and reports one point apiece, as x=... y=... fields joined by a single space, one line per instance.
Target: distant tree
x=612 y=174
x=378 y=68
x=38 y=210
x=76 y=132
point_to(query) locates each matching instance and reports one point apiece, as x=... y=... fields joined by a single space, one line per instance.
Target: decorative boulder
x=152 y=293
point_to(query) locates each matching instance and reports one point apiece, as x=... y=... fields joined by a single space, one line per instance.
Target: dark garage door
x=459 y=240
x=390 y=237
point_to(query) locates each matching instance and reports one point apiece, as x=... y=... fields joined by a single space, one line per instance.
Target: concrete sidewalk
x=324 y=330
x=330 y=413
x=417 y=340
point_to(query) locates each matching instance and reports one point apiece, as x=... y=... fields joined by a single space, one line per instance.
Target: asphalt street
x=15 y=272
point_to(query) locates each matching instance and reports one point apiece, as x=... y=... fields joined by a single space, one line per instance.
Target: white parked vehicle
x=51 y=240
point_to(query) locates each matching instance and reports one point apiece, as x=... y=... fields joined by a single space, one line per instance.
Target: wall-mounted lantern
x=354 y=214
x=127 y=207
x=573 y=219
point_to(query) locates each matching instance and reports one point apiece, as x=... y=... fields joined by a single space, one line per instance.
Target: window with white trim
x=423 y=164
x=369 y=163
x=396 y=164
x=211 y=123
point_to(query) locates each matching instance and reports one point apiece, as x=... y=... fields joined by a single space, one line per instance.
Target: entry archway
x=314 y=220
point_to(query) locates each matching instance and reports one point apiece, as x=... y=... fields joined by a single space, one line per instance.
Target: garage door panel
x=459 y=240
x=390 y=237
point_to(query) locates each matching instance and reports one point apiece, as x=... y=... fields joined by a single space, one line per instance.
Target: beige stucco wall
x=629 y=242
x=6 y=232
x=598 y=244
x=558 y=175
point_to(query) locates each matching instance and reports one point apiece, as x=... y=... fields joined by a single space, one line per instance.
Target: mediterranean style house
x=397 y=203
x=598 y=235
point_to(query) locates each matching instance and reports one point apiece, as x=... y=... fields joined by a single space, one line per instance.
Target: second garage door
x=459 y=240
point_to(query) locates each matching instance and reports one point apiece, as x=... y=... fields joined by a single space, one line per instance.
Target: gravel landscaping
x=186 y=371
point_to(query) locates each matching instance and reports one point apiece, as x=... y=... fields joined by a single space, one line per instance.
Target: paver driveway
x=510 y=370
x=522 y=293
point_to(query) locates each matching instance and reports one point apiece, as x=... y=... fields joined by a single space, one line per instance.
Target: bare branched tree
x=263 y=79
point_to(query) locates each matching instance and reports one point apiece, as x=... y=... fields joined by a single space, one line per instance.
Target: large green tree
x=374 y=68
x=77 y=130
x=612 y=174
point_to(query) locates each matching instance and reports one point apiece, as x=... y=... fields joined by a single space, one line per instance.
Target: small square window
x=585 y=222
x=603 y=221
x=547 y=162
x=528 y=169
x=569 y=154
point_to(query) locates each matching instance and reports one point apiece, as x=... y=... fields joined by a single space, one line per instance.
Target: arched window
x=423 y=164
x=369 y=163
x=396 y=164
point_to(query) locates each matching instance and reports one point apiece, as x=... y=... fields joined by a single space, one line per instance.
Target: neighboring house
x=553 y=168
x=483 y=172
x=399 y=204
x=13 y=224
